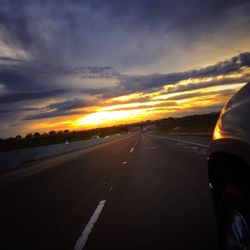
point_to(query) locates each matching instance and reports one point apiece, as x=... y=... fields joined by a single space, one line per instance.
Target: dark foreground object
x=229 y=172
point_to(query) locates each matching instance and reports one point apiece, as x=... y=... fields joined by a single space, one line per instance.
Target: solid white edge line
x=87 y=230
x=193 y=143
x=132 y=149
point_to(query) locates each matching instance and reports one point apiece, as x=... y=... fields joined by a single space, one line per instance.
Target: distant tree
x=18 y=137
x=44 y=134
x=28 y=136
x=52 y=132
x=37 y=134
x=66 y=131
x=59 y=132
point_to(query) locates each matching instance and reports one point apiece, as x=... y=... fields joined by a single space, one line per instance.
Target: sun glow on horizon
x=137 y=111
x=137 y=107
x=108 y=117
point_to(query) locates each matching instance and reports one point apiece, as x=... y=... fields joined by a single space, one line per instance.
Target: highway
x=141 y=192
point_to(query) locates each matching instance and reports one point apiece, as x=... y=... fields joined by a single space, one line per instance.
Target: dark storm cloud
x=157 y=81
x=16 y=110
x=27 y=80
x=3 y=111
x=71 y=104
x=68 y=107
x=138 y=12
x=10 y=59
x=28 y=74
x=165 y=13
x=97 y=91
x=65 y=108
x=99 y=31
x=36 y=68
x=52 y=114
x=16 y=81
x=27 y=96
x=8 y=110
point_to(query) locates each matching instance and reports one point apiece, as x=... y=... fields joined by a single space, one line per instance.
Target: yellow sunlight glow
x=209 y=79
x=129 y=105
x=108 y=117
x=132 y=112
x=204 y=90
x=126 y=97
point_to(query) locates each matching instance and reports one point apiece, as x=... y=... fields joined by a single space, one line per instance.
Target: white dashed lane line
x=87 y=230
x=132 y=149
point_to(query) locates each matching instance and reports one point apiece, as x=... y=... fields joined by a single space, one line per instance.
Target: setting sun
x=108 y=117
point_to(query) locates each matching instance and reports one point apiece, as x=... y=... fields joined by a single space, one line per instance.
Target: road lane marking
x=124 y=163
x=132 y=149
x=192 y=143
x=110 y=190
x=87 y=230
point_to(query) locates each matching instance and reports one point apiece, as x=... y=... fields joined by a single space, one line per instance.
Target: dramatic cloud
x=97 y=32
x=65 y=108
x=157 y=81
x=71 y=104
x=52 y=114
x=28 y=96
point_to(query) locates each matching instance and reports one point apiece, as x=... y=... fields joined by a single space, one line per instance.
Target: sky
x=92 y=63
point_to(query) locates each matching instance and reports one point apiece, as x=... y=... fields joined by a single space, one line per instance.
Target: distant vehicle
x=95 y=137
x=229 y=172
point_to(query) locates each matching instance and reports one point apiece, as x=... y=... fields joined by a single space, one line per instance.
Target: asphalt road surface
x=142 y=192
